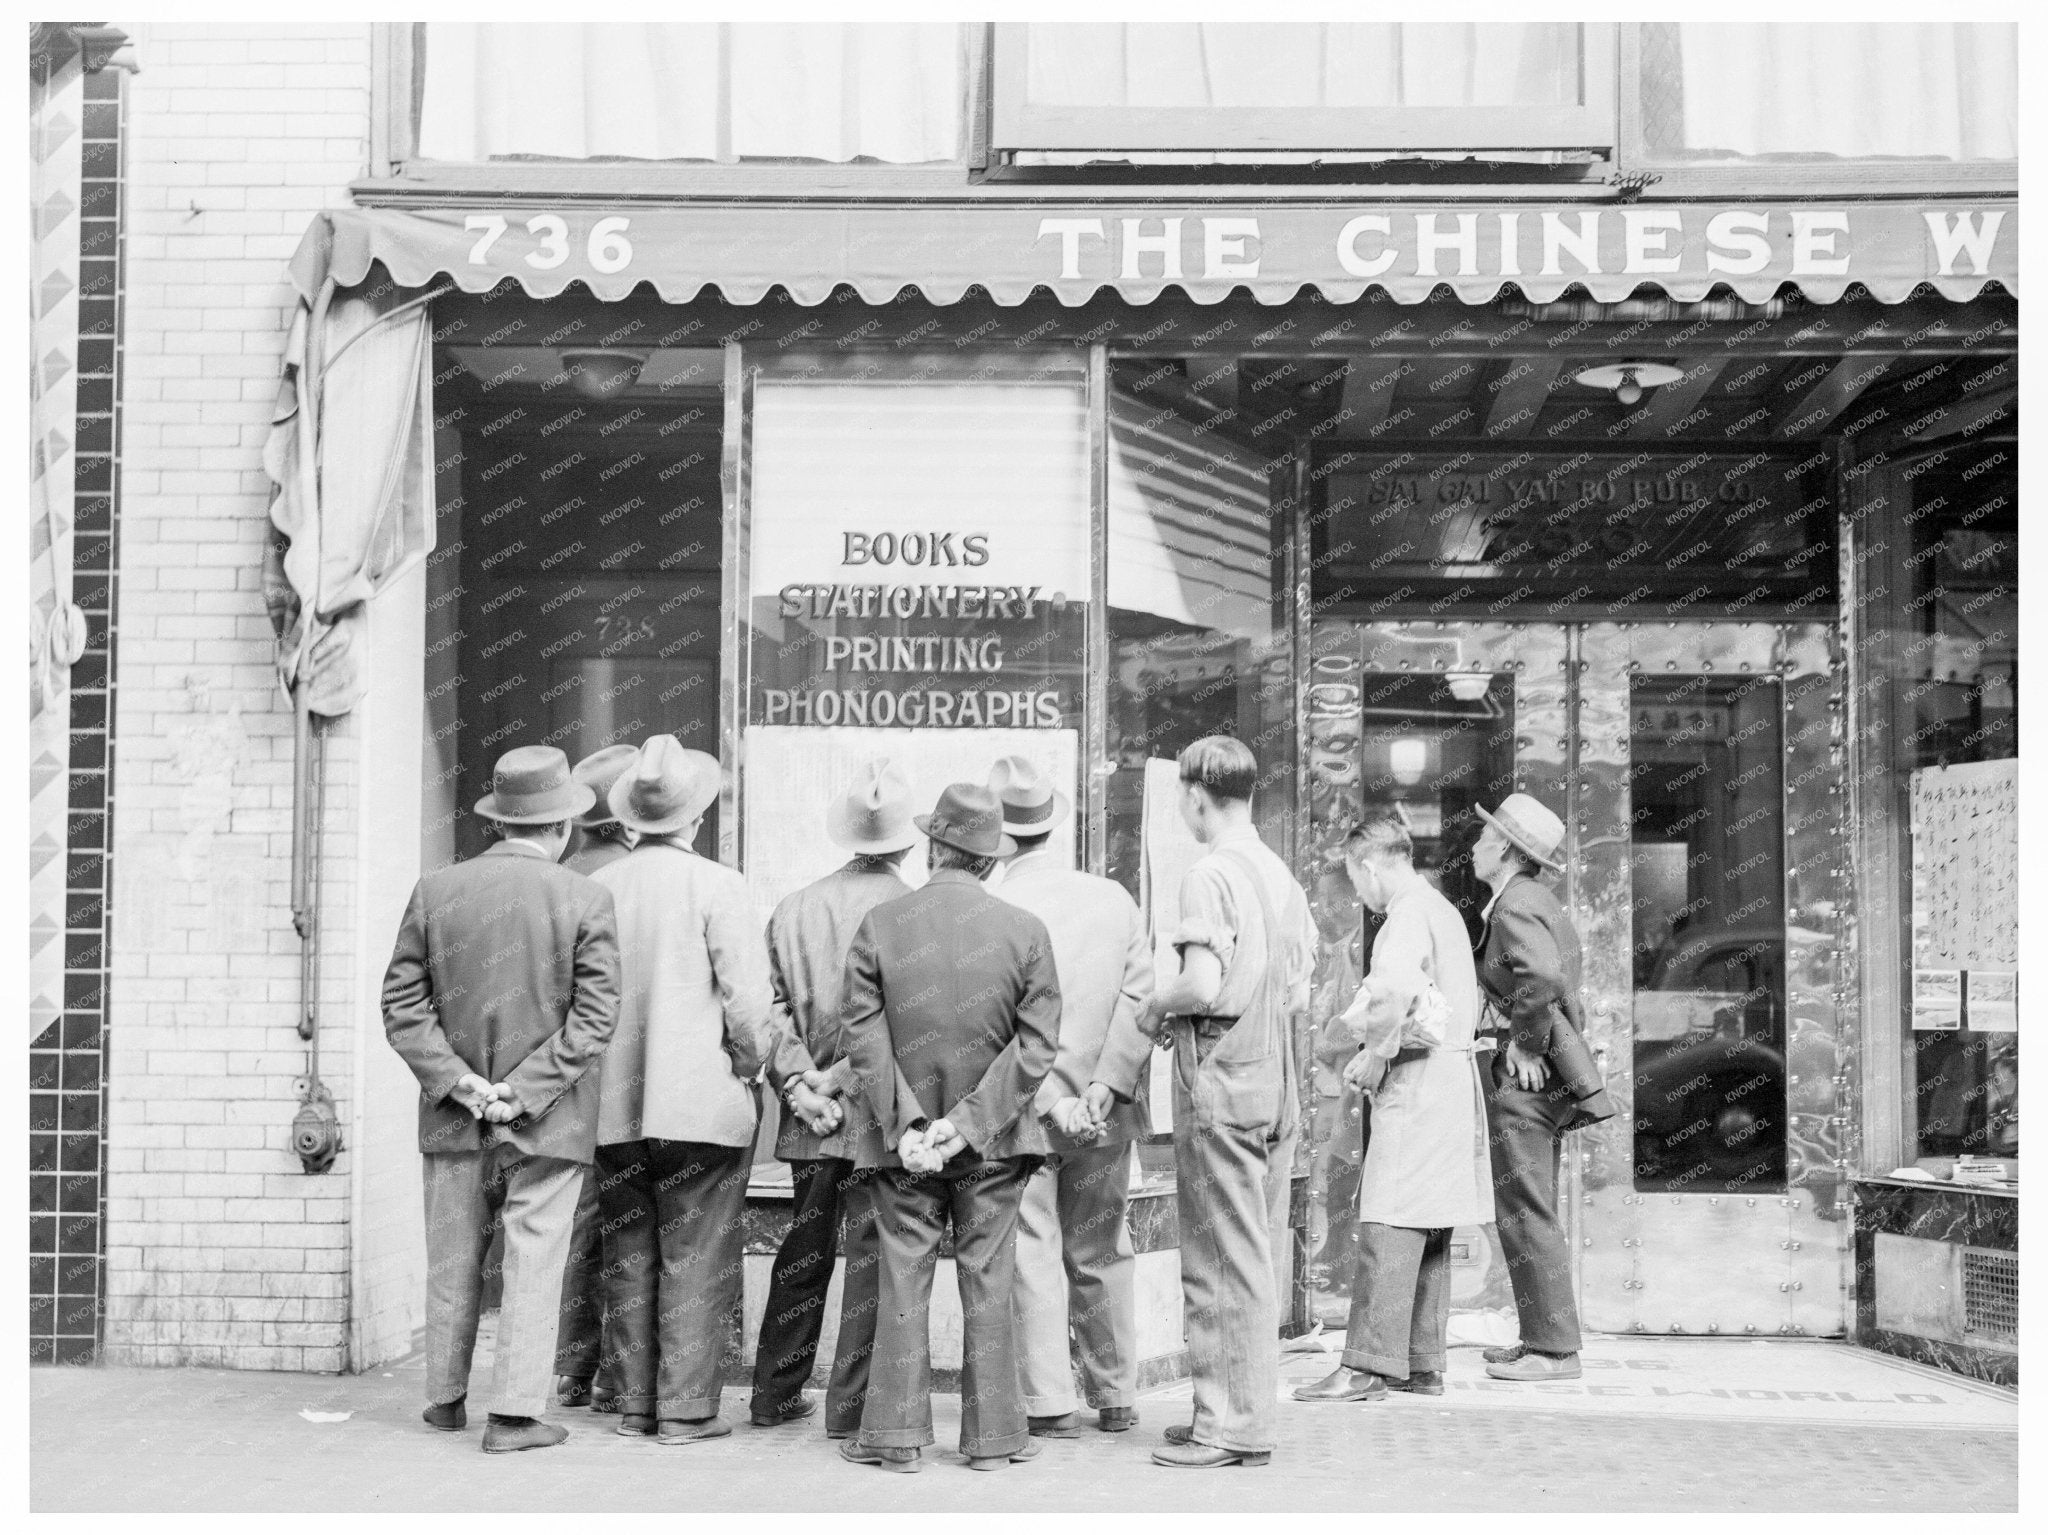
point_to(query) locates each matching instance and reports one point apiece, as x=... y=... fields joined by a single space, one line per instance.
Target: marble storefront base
x=1937 y=1275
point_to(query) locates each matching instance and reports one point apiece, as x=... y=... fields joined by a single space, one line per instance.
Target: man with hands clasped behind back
x=502 y=994
x=951 y=1003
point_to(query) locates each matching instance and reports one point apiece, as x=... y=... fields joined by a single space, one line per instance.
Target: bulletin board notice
x=1965 y=830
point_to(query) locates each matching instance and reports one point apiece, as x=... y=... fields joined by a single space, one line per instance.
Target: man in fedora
x=822 y=1134
x=1075 y=1266
x=677 y=1108
x=501 y=995
x=1543 y=1081
x=598 y=840
x=952 y=1008
x=1247 y=946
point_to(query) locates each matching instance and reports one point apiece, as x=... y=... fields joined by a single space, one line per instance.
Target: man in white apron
x=1426 y=1166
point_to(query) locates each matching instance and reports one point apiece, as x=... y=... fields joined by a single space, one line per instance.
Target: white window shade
x=701 y=91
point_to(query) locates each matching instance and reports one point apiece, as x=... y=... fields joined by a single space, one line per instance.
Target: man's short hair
x=1030 y=843
x=946 y=856
x=509 y=829
x=1223 y=765
x=1379 y=837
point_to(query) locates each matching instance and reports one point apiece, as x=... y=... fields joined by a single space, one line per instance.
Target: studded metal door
x=1707 y=882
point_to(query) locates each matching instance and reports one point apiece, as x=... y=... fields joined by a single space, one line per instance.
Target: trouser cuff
x=897 y=1438
x=686 y=1407
x=1379 y=1364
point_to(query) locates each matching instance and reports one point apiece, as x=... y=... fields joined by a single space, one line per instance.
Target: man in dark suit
x=951 y=1003
x=501 y=995
x=1542 y=1082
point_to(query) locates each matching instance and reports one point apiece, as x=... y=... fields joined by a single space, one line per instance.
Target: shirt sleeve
x=1208 y=914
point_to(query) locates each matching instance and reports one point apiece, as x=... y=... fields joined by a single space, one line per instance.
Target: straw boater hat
x=873 y=815
x=665 y=788
x=970 y=819
x=601 y=770
x=1031 y=805
x=1530 y=825
x=531 y=786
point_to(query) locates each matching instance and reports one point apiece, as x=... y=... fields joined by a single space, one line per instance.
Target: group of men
x=589 y=1032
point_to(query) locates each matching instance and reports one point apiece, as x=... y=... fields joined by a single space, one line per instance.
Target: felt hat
x=968 y=818
x=873 y=815
x=1530 y=825
x=1031 y=805
x=532 y=786
x=601 y=770
x=664 y=788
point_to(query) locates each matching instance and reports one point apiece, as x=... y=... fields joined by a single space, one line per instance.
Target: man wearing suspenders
x=1246 y=946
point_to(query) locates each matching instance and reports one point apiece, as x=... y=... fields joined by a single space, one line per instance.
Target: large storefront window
x=1940 y=638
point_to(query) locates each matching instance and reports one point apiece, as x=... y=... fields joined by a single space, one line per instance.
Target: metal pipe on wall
x=316 y=1129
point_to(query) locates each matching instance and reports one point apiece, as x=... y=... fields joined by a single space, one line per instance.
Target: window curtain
x=1890 y=89
x=714 y=91
x=350 y=458
x=1299 y=64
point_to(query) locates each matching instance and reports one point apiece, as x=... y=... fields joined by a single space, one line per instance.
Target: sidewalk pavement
x=1655 y=1424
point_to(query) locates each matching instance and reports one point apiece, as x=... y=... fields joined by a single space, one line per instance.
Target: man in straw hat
x=598 y=840
x=952 y=1007
x=677 y=1108
x=1543 y=1081
x=1074 y=1259
x=1247 y=945
x=502 y=994
x=822 y=1133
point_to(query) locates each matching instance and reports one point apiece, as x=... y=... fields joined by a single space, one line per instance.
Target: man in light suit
x=502 y=994
x=597 y=841
x=1075 y=1265
x=821 y=1136
x=952 y=1006
x=677 y=1109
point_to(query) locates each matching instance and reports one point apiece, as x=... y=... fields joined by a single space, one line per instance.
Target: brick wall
x=220 y=1250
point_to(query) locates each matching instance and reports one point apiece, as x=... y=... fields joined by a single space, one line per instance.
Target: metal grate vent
x=1991 y=1295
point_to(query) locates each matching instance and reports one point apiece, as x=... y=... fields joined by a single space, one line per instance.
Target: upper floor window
x=715 y=92
x=1301 y=86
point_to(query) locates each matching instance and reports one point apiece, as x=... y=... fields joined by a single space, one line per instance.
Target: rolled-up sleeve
x=1208 y=915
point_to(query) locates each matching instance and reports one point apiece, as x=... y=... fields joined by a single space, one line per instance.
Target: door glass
x=1708 y=874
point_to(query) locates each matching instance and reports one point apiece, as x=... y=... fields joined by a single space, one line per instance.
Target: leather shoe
x=521 y=1434
x=571 y=1392
x=446 y=1416
x=1030 y=1451
x=1192 y=1456
x=1066 y=1425
x=1117 y=1420
x=690 y=1430
x=603 y=1401
x=1344 y=1384
x=1535 y=1366
x=1418 y=1383
x=636 y=1425
x=1179 y=1433
x=1506 y=1355
x=905 y=1461
x=792 y=1412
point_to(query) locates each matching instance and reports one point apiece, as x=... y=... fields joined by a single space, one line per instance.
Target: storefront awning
x=1275 y=251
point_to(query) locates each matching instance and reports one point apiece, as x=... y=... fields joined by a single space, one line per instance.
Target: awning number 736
x=606 y=247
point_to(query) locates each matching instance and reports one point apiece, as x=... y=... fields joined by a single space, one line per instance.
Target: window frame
x=1016 y=126
x=1818 y=176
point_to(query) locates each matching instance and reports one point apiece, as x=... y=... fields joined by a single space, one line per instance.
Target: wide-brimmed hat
x=531 y=786
x=664 y=788
x=873 y=815
x=970 y=819
x=601 y=770
x=1530 y=825
x=1031 y=805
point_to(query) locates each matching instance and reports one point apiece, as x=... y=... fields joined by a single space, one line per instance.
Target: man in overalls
x=1246 y=945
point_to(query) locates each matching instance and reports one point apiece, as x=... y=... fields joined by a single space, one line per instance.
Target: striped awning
x=1275 y=251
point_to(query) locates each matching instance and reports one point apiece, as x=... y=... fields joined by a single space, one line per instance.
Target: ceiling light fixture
x=1628 y=380
x=600 y=373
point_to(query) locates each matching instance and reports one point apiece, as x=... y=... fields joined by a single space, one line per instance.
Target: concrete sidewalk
x=1655 y=1424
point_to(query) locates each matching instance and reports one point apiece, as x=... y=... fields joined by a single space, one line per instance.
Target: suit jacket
x=594 y=855
x=693 y=1012
x=1530 y=964
x=952 y=1005
x=506 y=965
x=808 y=937
x=1104 y=961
